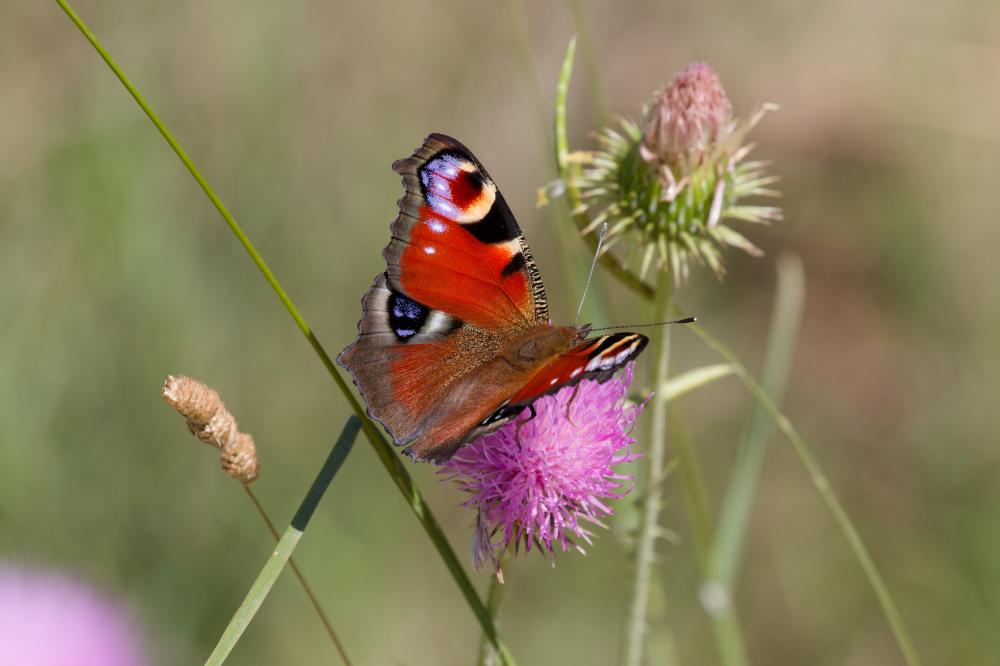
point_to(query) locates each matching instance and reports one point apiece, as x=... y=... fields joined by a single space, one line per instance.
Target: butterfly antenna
x=597 y=253
x=685 y=320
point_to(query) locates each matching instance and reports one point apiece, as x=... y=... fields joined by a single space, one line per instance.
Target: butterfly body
x=455 y=338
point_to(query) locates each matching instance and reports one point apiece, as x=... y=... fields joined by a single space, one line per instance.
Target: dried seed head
x=210 y=421
x=239 y=458
x=193 y=400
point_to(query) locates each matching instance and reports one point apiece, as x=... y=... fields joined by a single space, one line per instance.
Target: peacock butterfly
x=455 y=338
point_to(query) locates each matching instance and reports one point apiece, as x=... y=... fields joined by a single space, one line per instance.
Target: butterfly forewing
x=456 y=246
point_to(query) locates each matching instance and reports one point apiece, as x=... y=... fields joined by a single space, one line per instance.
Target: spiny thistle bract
x=673 y=184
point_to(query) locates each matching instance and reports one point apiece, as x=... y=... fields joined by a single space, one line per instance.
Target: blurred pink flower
x=50 y=619
x=549 y=483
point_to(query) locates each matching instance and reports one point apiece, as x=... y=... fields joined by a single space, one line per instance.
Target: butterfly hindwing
x=401 y=345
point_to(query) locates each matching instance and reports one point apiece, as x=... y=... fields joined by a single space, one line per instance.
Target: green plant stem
x=591 y=65
x=567 y=174
x=653 y=465
x=562 y=230
x=738 y=501
x=741 y=492
x=526 y=56
x=382 y=448
x=682 y=384
x=634 y=283
x=286 y=545
x=327 y=625
x=822 y=484
x=692 y=488
x=488 y=655
x=725 y=627
x=255 y=597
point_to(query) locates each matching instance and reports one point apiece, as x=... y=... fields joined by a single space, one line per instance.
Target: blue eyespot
x=406 y=316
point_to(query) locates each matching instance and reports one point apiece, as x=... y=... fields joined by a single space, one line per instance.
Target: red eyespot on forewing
x=456 y=189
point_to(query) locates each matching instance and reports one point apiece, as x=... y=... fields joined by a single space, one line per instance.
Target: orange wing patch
x=446 y=268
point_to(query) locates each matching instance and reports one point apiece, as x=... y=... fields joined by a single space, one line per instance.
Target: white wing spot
x=442 y=206
x=430 y=249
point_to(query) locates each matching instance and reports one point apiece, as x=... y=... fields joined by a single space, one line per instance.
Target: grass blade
x=822 y=484
x=682 y=384
x=737 y=505
x=738 y=502
x=313 y=599
x=382 y=448
x=567 y=173
x=286 y=545
x=693 y=492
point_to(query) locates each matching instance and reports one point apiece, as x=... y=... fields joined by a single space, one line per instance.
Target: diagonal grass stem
x=286 y=545
x=822 y=484
x=738 y=502
x=327 y=625
x=382 y=448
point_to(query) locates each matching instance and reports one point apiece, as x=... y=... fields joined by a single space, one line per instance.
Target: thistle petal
x=540 y=481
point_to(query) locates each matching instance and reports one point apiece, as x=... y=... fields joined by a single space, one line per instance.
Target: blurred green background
x=116 y=271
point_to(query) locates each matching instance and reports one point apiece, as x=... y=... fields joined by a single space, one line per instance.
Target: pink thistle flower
x=546 y=480
x=50 y=619
x=686 y=119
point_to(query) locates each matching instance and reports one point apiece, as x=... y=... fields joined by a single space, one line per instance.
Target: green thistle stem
x=568 y=175
x=692 y=483
x=654 y=465
x=488 y=655
x=382 y=448
x=564 y=234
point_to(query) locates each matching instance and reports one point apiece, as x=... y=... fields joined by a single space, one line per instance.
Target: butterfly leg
x=576 y=389
x=517 y=430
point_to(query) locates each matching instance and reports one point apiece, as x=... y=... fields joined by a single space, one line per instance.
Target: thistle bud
x=675 y=184
x=209 y=420
x=686 y=120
